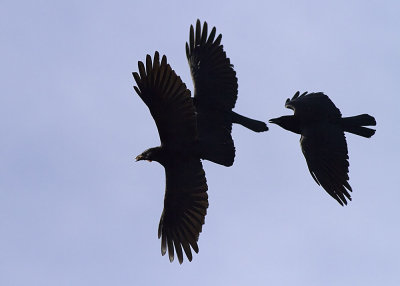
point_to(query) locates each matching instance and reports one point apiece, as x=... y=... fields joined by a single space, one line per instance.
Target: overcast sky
x=76 y=209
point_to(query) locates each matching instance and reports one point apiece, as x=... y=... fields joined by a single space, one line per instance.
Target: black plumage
x=190 y=129
x=215 y=95
x=322 y=141
x=186 y=199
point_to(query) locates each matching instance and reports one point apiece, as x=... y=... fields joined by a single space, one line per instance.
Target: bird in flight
x=190 y=129
x=322 y=127
x=215 y=95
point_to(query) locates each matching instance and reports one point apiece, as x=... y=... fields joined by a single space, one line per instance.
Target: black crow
x=186 y=199
x=215 y=95
x=322 y=141
x=190 y=129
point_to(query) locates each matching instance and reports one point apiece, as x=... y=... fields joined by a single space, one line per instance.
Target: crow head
x=288 y=122
x=152 y=154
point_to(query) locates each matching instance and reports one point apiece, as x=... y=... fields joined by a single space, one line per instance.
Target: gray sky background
x=75 y=209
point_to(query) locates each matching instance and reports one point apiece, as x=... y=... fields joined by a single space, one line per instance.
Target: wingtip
x=149 y=63
x=164 y=60
x=187 y=50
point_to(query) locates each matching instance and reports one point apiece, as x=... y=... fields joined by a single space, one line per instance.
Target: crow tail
x=354 y=124
x=252 y=124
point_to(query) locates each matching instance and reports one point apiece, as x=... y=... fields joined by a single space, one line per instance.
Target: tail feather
x=361 y=131
x=252 y=124
x=354 y=124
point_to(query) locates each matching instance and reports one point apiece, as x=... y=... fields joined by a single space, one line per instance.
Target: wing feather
x=325 y=149
x=185 y=207
x=168 y=100
x=208 y=65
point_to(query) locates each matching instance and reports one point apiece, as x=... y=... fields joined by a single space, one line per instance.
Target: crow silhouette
x=190 y=129
x=215 y=95
x=322 y=141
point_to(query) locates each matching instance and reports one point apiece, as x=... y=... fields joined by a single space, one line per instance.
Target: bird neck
x=157 y=154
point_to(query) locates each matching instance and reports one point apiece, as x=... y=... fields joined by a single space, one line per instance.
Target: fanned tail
x=354 y=124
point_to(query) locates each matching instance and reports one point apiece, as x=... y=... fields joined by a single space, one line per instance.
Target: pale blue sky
x=75 y=209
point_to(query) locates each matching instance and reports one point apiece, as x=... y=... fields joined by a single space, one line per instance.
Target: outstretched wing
x=213 y=75
x=168 y=100
x=185 y=207
x=325 y=149
x=315 y=106
x=215 y=92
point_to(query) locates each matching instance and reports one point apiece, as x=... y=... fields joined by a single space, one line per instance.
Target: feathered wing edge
x=168 y=100
x=213 y=75
x=185 y=208
x=200 y=38
x=329 y=166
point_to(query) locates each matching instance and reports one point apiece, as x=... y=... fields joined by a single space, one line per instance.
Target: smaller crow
x=322 y=141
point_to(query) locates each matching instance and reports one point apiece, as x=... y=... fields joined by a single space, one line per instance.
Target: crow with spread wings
x=190 y=129
x=322 y=127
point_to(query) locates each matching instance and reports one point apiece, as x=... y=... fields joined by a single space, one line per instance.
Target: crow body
x=323 y=143
x=190 y=129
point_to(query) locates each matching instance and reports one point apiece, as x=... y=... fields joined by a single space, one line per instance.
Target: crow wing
x=215 y=92
x=185 y=207
x=213 y=75
x=168 y=100
x=314 y=106
x=325 y=149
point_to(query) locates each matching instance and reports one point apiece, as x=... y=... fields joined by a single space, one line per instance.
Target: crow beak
x=274 y=120
x=140 y=158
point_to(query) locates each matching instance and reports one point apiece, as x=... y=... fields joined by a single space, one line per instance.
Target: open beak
x=140 y=158
x=274 y=120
